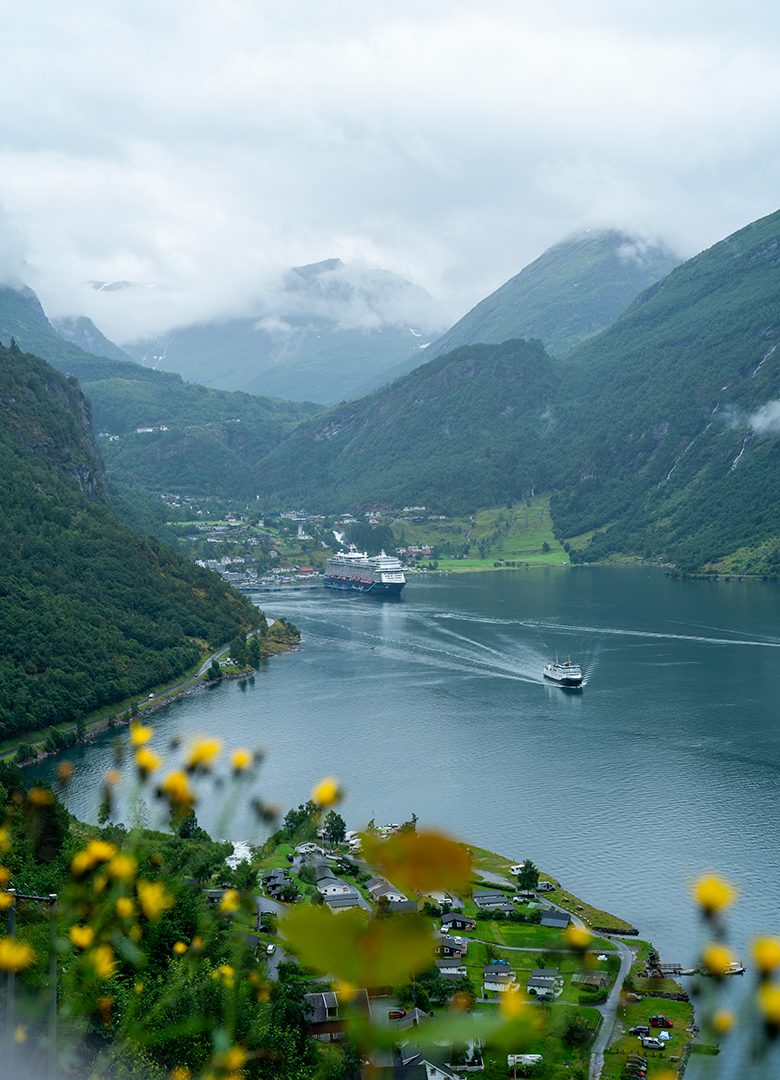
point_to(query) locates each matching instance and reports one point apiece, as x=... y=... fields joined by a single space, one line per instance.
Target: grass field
x=521 y=533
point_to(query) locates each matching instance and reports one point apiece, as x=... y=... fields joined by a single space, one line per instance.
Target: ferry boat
x=379 y=574
x=565 y=673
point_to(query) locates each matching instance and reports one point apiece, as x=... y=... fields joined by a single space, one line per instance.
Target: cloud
x=207 y=146
x=766 y=419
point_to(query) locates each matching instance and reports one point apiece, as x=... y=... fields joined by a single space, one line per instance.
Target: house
x=309 y=848
x=379 y=888
x=452 y=967
x=545 y=982
x=558 y=919
x=497 y=979
x=455 y=921
x=326 y=1014
x=594 y=980
x=403 y=907
x=344 y=901
x=447 y=900
x=407 y=1062
x=493 y=901
x=450 y=946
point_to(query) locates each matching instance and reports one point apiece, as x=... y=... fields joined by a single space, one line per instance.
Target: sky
x=198 y=148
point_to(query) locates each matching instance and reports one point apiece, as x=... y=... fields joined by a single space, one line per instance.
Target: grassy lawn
x=517 y=533
x=680 y=1012
x=560 y=1059
x=587 y=912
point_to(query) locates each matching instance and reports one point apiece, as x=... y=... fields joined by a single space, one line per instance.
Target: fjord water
x=665 y=765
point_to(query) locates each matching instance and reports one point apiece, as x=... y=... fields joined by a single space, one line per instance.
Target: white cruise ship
x=565 y=673
x=380 y=574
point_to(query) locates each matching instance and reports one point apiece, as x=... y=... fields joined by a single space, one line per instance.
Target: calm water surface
x=664 y=766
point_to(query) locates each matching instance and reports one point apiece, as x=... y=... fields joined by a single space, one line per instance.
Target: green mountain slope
x=91 y=611
x=461 y=431
x=573 y=290
x=661 y=434
x=212 y=440
x=330 y=332
x=672 y=444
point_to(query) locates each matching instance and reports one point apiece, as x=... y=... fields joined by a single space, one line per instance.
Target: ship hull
x=571 y=683
x=376 y=588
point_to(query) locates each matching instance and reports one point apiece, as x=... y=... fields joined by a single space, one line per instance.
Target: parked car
x=639 y=1029
x=270 y=949
x=651 y=1043
x=637 y=1059
x=545 y=886
x=660 y=1022
x=634 y=1070
x=396 y=1014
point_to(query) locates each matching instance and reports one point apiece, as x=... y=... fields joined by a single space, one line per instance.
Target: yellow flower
x=512 y=1004
x=101 y=850
x=241 y=759
x=717 y=958
x=81 y=936
x=139 y=988
x=14 y=955
x=140 y=734
x=122 y=867
x=154 y=899
x=20 y=1035
x=768 y=1003
x=346 y=990
x=113 y=777
x=230 y=901
x=234 y=1058
x=99 y=884
x=5 y=840
x=147 y=761
x=224 y=973
x=39 y=796
x=103 y=961
x=6 y=901
x=177 y=788
x=65 y=771
x=180 y=1073
x=713 y=894
x=723 y=1021
x=134 y=933
x=578 y=937
x=81 y=862
x=327 y=792
x=5 y=875
x=180 y=948
x=766 y=953
x=125 y=907
x=204 y=753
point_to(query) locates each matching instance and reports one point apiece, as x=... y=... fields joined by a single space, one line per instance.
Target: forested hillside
x=573 y=290
x=465 y=430
x=673 y=433
x=212 y=439
x=91 y=612
x=660 y=436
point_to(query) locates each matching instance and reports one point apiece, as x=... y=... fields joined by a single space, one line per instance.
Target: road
x=609 y=1009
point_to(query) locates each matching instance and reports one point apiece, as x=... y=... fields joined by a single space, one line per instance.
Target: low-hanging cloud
x=208 y=147
x=766 y=419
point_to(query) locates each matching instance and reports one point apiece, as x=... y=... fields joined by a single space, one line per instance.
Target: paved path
x=609 y=1011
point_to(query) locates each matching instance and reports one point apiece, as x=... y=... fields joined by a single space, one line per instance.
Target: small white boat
x=565 y=673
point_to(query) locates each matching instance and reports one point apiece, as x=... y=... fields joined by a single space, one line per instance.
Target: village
x=516 y=933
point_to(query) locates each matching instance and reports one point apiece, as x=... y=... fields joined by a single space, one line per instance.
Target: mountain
x=672 y=431
x=204 y=441
x=571 y=292
x=459 y=432
x=660 y=436
x=329 y=330
x=91 y=611
x=82 y=332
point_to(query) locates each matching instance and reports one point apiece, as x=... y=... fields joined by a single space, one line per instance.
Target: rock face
x=82 y=332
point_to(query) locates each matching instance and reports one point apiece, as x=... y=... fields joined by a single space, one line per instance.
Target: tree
x=335 y=828
x=528 y=878
x=214 y=672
